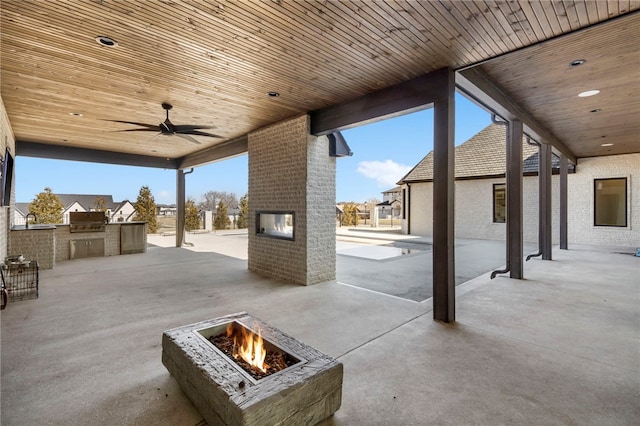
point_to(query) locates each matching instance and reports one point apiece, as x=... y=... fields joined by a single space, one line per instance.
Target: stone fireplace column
x=290 y=171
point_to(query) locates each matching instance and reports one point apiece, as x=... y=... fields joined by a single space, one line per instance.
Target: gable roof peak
x=481 y=155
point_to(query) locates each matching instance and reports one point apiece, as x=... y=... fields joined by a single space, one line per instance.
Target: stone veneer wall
x=291 y=170
x=34 y=245
x=49 y=246
x=6 y=213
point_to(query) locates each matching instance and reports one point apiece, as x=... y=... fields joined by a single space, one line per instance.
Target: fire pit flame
x=248 y=346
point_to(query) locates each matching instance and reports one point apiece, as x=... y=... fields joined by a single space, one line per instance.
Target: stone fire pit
x=306 y=392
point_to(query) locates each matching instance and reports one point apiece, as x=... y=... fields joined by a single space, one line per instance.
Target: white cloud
x=385 y=173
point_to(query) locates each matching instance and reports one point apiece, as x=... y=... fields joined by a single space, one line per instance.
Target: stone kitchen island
x=49 y=244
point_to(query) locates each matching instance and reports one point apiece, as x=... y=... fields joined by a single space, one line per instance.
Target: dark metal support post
x=544 y=182
x=540 y=202
x=443 y=202
x=564 y=168
x=514 y=198
x=180 y=207
x=409 y=209
x=500 y=121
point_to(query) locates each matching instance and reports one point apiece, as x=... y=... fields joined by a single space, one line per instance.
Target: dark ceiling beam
x=228 y=149
x=59 y=152
x=477 y=86
x=403 y=98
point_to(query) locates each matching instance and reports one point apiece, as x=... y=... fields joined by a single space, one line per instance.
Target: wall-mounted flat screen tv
x=7 y=178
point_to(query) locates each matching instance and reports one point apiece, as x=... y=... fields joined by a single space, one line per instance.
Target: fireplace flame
x=248 y=346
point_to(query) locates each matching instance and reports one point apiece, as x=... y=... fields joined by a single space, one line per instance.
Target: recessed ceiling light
x=588 y=93
x=106 y=41
x=577 y=62
x=596 y=110
x=273 y=94
x=76 y=114
x=606 y=144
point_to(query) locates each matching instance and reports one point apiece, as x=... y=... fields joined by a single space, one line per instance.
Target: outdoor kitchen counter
x=106 y=242
x=49 y=244
x=34 y=227
x=35 y=243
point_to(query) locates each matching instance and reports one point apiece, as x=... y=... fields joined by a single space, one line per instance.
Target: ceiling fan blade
x=138 y=130
x=167 y=128
x=187 y=137
x=149 y=126
x=199 y=133
x=182 y=127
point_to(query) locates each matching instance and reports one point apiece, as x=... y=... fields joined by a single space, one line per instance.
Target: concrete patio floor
x=560 y=347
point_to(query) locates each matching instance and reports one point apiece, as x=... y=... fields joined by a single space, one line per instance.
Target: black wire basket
x=20 y=278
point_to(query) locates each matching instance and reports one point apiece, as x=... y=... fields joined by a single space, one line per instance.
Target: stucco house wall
x=474 y=205
x=420 y=206
x=480 y=163
x=474 y=209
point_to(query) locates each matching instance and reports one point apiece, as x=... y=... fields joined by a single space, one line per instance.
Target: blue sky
x=383 y=152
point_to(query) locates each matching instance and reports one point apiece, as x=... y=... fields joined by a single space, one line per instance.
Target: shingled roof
x=23 y=208
x=87 y=200
x=482 y=156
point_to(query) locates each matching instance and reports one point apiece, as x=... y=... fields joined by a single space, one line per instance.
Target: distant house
x=393 y=194
x=166 y=209
x=391 y=205
x=601 y=198
x=20 y=212
x=122 y=211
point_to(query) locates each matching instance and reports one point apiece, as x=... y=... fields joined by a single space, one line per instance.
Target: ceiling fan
x=167 y=128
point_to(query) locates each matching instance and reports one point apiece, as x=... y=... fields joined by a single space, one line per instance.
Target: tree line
x=49 y=209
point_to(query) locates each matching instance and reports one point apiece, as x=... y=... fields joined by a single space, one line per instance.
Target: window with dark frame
x=499 y=202
x=610 y=202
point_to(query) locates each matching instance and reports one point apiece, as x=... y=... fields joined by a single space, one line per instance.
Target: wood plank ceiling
x=216 y=62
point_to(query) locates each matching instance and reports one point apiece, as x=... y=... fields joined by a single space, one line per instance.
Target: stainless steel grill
x=87 y=222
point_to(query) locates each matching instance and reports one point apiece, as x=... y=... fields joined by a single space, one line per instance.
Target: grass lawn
x=166 y=224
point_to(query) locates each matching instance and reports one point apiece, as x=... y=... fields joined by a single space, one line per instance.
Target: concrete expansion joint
x=384 y=334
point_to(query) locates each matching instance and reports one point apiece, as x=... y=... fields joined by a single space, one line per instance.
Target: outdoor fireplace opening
x=249 y=350
x=275 y=224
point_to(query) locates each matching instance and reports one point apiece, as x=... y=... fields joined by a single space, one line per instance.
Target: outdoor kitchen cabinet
x=132 y=238
x=89 y=247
